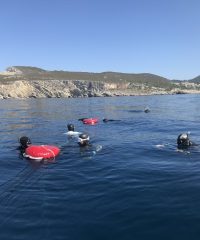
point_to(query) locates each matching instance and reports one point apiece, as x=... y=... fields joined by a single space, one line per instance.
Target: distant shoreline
x=75 y=89
x=31 y=82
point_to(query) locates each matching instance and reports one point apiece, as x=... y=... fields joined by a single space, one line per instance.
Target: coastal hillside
x=195 y=80
x=33 y=82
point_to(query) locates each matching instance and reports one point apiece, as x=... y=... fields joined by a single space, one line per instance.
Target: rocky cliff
x=30 y=82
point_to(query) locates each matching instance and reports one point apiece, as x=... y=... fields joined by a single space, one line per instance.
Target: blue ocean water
x=131 y=184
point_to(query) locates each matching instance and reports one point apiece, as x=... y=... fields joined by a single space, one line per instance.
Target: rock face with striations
x=52 y=89
x=32 y=82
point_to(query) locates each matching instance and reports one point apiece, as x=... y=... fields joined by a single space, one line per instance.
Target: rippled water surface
x=131 y=184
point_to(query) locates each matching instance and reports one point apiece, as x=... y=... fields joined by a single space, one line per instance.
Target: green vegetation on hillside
x=34 y=73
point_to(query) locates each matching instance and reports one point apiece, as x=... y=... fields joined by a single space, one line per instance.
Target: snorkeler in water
x=183 y=141
x=87 y=149
x=110 y=120
x=71 y=131
x=24 y=143
x=84 y=140
x=147 y=110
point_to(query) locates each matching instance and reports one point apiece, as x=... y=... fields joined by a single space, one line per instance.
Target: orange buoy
x=90 y=121
x=40 y=152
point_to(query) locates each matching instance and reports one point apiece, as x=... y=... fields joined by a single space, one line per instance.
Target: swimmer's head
x=183 y=140
x=83 y=140
x=146 y=110
x=105 y=120
x=70 y=127
x=25 y=141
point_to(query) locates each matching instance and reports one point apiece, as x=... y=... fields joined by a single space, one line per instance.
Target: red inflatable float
x=90 y=121
x=40 y=152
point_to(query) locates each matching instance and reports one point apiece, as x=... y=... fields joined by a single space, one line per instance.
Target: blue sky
x=133 y=36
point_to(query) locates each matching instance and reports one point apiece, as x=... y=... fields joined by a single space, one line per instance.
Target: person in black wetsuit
x=70 y=127
x=87 y=150
x=146 y=110
x=184 y=142
x=109 y=120
x=84 y=140
x=24 y=143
